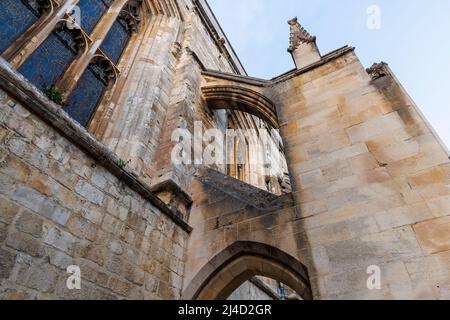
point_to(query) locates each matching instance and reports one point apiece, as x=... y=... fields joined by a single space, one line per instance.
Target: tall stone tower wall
x=371 y=181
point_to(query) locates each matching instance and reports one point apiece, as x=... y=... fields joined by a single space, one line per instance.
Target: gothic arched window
x=120 y=33
x=83 y=102
x=91 y=12
x=16 y=16
x=49 y=61
x=116 y=40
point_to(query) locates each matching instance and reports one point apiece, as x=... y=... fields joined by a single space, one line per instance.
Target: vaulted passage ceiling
x=242 y=99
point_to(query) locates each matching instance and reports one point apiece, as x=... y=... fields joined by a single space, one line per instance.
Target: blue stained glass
x=49 y=61
x=86 y=96
x=91 y=11
x=15 y=18
x=116 y=40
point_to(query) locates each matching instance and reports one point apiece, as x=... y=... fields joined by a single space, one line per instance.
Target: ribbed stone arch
x=242 y=99
x=241 y=261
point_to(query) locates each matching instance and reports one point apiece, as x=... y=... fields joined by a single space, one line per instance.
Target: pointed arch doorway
x=241 y=261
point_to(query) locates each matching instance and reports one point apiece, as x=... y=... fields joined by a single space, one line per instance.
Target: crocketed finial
x=298 y=35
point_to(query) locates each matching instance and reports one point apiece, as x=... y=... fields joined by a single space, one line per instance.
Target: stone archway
x=240 y=262
x=243 y=99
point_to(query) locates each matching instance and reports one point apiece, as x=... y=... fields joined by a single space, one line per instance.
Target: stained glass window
x=49 y=61
x=91 y=11
x=86 y=96
x=15 y=18
x=116 y=40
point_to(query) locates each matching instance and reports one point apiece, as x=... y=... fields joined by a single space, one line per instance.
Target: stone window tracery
x=52 y=58
x=64 y=57
x=83 y=101
x=17 y=16
x=120 y=33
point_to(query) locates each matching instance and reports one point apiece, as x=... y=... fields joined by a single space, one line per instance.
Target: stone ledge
x=281 y=78
x=324 y=60
x=32 y=98
x=257 y=198
x=237 y=78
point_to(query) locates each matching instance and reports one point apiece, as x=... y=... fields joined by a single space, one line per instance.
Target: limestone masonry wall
x=59 y=207
x=371 y=181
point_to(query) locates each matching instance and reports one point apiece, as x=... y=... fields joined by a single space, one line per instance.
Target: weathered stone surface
x=370 y=181
x=8 y=210
x=7 y=260
x=30 y=223
x=41 y=204
x=434 y=235
x=40 y=277
x=24 y=243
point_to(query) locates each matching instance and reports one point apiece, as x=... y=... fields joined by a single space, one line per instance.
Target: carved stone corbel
x=131 y=13
x=378 y=70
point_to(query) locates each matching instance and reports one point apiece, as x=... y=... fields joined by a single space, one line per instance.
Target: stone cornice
x=259 y=199
x=27 y=94
x=324 y=60
x=236 y=78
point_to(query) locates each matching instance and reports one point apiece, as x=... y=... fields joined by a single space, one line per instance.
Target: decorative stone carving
x=378 y=70
x=298 y=35
x=108 y=72
x=41 y=6
x=176 y=49
x=78 y=41
x=131 y=14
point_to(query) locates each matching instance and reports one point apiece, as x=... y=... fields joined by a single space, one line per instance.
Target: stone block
x=30 y=224
x=15 y=168
x=7 y=261
x=43 y=184
x=99 y=178
x=41 y=204
x=90 y=193
x=61 y=240
x=133 y=274
x=379 y=125
x=82 y=228
x=375 y=249
x=40 y=277
x=402 y=216
x=8 y=211
x=25 y=243
x=120 y=287
x=440 y=207
x=434 y=235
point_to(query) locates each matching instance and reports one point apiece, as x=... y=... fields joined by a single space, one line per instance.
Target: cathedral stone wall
x=59 y=207
x=222 y=219
x=370 y=179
